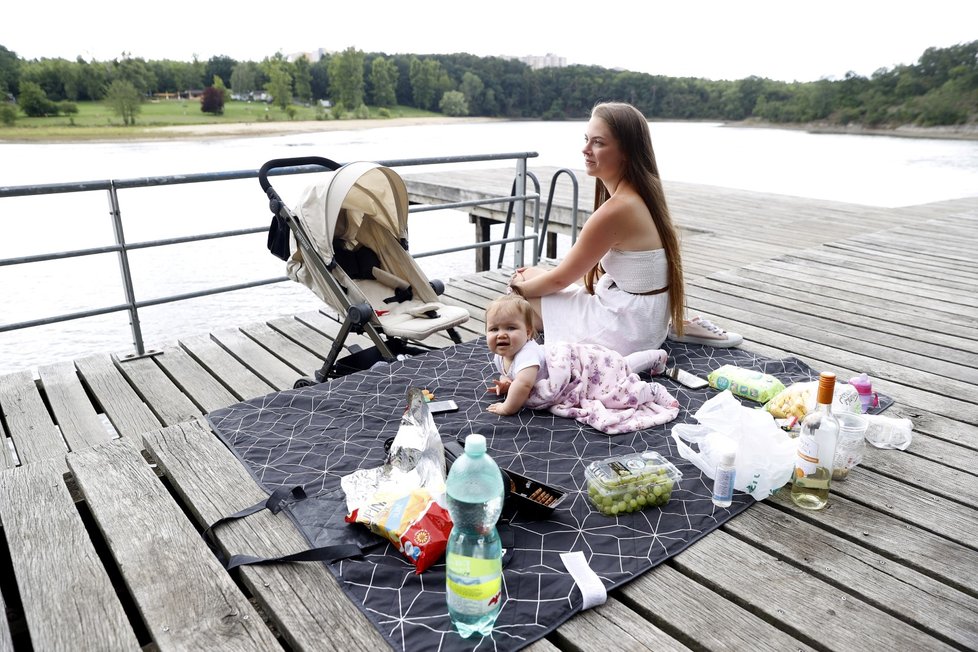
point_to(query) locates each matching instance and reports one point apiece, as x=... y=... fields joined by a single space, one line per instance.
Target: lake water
x=872 y=170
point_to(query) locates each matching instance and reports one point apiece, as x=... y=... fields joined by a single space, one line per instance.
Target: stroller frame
x=357 y=317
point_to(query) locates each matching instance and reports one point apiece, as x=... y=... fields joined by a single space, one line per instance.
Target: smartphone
x=686 y=379
x=435 y=407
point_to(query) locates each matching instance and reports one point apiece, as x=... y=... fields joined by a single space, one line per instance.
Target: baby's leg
x=650 y=360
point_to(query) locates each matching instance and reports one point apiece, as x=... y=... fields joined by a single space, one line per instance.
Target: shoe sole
x=720 y=344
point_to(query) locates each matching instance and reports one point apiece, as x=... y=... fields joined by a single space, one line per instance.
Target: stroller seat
x=353 y=252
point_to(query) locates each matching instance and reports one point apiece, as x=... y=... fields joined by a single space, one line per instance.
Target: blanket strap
x=280 y=498
x=592 y=590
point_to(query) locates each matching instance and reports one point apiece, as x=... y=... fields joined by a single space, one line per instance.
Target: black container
x=521 y=494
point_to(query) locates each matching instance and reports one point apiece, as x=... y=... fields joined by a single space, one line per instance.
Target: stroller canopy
x=358 y=218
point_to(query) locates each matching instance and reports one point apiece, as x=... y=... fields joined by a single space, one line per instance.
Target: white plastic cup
x=852 y=443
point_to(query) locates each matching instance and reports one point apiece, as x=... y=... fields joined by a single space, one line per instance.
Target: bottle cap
x=475 y=445
x=728 y=457
x=826 y=387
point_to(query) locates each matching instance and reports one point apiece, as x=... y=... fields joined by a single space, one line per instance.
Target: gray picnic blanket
x=314 y=435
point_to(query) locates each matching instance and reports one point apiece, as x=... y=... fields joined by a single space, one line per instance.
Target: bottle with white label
x=816 y=449
x=723 y=482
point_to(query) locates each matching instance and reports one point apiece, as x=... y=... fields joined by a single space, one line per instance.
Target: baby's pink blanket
x=593 y=385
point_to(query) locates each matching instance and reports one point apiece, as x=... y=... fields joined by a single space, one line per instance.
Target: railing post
x=519 y=210
x=120 y=239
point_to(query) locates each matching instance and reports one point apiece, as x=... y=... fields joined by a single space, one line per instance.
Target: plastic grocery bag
x=765 y=453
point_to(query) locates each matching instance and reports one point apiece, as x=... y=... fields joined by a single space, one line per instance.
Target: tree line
x=941 y=88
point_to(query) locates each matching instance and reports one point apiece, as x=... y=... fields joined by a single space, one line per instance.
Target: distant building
x=536 y=62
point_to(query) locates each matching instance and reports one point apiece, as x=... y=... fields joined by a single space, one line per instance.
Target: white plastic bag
x=765 y=453
x=889 y=432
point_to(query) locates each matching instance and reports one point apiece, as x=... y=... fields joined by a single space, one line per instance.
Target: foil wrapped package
x=403 y=499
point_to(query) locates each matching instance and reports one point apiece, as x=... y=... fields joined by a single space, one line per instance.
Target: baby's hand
x=500 y=386
x=500 y=409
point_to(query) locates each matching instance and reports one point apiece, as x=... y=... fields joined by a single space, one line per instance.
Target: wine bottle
x=816 y=449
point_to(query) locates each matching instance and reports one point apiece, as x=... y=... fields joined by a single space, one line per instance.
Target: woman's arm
x=600 y=233
x=519 y=391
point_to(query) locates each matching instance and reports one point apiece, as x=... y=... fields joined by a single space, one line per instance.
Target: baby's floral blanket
x=592 y=384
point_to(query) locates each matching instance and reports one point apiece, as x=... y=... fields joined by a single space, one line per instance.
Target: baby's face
x=506 y=332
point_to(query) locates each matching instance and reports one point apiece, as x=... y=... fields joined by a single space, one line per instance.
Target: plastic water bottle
x=723 y=481
x=474 y=557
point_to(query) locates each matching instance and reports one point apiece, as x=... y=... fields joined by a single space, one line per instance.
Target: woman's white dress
x=613 y=316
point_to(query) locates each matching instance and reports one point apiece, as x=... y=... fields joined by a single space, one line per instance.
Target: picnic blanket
x=593 y=385
x=314 y=435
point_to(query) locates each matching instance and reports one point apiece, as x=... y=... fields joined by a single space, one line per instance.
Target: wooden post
x=481 y=235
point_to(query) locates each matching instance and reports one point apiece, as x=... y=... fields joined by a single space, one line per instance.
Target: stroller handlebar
x=298 y=161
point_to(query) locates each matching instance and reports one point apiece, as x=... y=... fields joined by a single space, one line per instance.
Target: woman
x=627 y=252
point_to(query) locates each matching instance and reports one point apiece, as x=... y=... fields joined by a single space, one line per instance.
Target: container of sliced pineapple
x=631 y=482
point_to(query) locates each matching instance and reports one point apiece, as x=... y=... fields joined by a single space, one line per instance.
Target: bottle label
x=807 y=460
x=471 y=579
x=723 y=485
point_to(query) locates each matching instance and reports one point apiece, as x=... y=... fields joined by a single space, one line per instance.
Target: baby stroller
x=347 y=242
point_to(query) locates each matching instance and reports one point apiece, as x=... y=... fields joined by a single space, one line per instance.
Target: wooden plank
x=596 y=628
x=164 y=398
x=72 y=409
x=924 y=602
x=33 y=432
x=701 y=618
x=6 y=639
x=303 y=600
x=239 y=380
x=818 y=613
x=194 y=380
x=251 y=354
x=837 y=330
x=907 y=543
x=127 y=413
x=745 y=284
x=330 y=327
x=905 y=383
x=284 y=348
x=68 y=599
x=302 y=334
x=185 y=597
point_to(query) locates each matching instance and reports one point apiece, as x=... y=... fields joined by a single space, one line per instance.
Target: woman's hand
x=516 y=281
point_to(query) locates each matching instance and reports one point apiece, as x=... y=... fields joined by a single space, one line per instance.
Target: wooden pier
x=111 y=473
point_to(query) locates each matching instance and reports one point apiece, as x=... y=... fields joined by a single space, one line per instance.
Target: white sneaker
x=702 y=331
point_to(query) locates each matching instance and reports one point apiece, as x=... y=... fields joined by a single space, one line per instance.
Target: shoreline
x=285 y=128
x=949 y=132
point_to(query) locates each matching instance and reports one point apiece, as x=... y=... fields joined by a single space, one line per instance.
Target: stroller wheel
x=360 y=314
x=438 y=286
x=304 y=382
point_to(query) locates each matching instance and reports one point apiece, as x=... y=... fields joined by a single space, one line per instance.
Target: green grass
x=96 y=121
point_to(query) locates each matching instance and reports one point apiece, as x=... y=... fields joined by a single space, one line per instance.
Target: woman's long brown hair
x=631 y=129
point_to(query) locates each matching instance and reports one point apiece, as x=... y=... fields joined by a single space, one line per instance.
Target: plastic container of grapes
x=631 y=482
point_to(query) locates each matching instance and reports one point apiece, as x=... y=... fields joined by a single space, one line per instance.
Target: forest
x=940 y=88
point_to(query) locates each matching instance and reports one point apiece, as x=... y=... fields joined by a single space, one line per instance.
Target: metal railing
x=517 y=201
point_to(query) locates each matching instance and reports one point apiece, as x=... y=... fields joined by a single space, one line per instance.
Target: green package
x=745 y=383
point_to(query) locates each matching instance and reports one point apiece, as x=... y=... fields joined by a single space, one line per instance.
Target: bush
x=212 y=101
x=453 y=104
x=338 y=112
x=362 y=112
x=34 y=102
x=8 y=114
x=383 y=112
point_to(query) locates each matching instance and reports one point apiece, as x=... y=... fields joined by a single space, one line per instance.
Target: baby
x=522 y=362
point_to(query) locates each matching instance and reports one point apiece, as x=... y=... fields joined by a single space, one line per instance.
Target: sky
x=709 y=39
